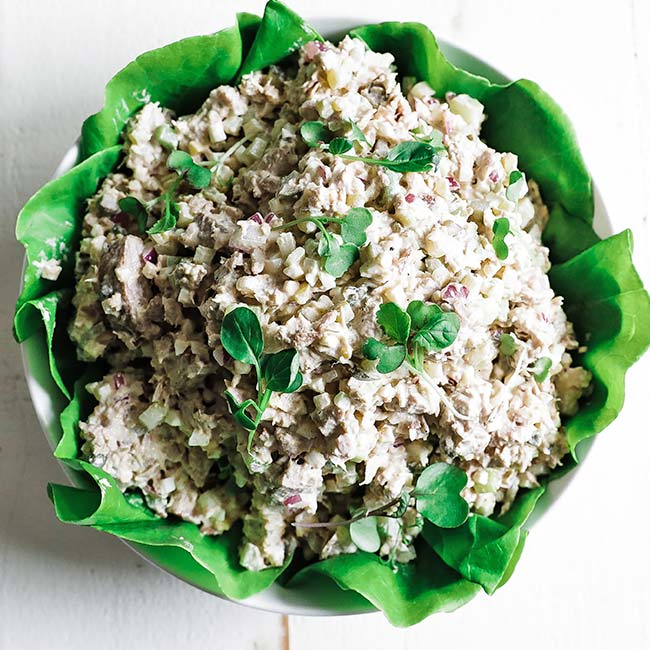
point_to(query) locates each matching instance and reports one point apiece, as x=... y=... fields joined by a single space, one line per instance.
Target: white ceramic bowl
x=321 y=597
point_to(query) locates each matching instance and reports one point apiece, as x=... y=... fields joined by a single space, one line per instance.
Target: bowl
x=320 y=597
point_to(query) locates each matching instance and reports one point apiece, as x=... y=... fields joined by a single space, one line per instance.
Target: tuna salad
x=311 y=292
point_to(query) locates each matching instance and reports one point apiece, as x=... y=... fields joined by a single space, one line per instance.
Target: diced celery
x=253 y=127
x=203 y=254
x=152 y=416
x=166 y=137
x=422 y=90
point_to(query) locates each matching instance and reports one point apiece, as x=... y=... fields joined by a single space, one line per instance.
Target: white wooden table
x=583 y=580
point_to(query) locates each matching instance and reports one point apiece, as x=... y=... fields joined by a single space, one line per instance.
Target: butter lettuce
x=603 y=296
x=181 y=75
x=407 y=595
x=521 y=117
x=605 y=299
x=482 y=550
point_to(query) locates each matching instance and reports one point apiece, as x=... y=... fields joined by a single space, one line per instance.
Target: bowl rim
x=278 y=599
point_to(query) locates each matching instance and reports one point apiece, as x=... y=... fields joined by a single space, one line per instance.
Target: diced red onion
x=453 y=183
x=269 y=217
x=118 y=380
x=256 y=217
x=454 y=291
x=293 y=499
x=409 y=198
x=151 y=256
x=312 y=48
x=493 y=176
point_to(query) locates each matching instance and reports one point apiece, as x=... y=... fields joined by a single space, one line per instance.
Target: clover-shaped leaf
x=437 y=494
x=354 y=225
x=365 y=534
x=390 y=357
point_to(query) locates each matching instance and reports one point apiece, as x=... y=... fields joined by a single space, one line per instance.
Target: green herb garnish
x=315 y=133
x=186 y=169
x=356 y=134
x=365 y=534
x=437 y=494
x=426 y=326
x=277 y=372
x=420 y=329
x=340 y=146
x=541 y=368
x=182 y=163
x=436 y=497
x=404 y=157
x=507 y=345
x=337 y=257
x=500 y=229
x=133 y=206
x=516 y=182
x=433 y=138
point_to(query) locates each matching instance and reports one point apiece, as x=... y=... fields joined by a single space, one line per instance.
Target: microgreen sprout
x=410 y=156
x=541 y=368
x=420 y=329
x=436 y=496
x=433 y=138
x=197 y=175
x=338 y=257
x=315 y=133
x=500 y=229
x=277 y=372
x=507 y=345
x=186 y=169
x=517 y=186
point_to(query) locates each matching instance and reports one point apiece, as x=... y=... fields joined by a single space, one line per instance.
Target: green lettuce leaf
x=280 y=33
x=68 y=447
x=566 y=236
x=48 y=227
x=541 y=134
x=111 y=512
x=43 y=310
x=405 y=596
x=179 y=76
x=126 y=516
x=611 y=313
x=207 y=62
x=483 y=550
x=609 y=306
x=247 y=24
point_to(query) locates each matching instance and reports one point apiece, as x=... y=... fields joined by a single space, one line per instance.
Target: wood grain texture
x=61 y=586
